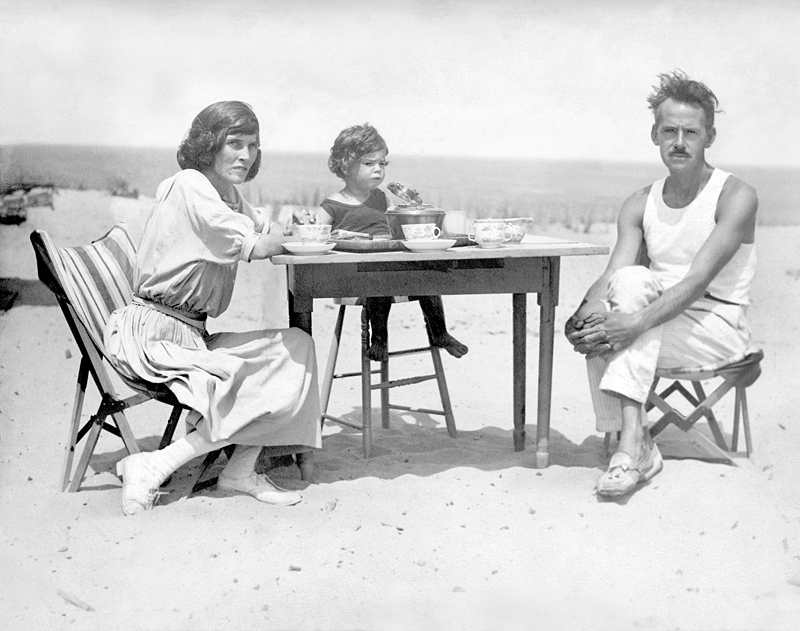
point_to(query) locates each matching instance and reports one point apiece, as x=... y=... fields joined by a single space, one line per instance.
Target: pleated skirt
x=253 y=388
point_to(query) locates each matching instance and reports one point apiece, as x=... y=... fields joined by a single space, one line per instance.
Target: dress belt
x=198 y=323
x=725 y=302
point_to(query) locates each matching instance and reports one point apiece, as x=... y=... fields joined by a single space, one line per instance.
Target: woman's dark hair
x=209 y=130
x=351 y=144
x=681 y=89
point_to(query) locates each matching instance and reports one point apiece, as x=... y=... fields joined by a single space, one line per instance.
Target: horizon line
x=407 y=155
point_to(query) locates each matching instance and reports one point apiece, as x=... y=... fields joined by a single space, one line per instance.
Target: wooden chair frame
x=110 y=414
x=385 y=384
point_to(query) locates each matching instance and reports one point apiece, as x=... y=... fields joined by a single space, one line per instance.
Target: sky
x=541 y=79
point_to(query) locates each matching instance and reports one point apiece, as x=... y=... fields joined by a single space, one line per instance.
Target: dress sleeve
x=222 y=235
x=260 y=222
x=382 y=201
x=334 y=210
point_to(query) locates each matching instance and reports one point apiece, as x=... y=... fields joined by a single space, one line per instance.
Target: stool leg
x=327 y=381
x=385 y=391
x=366 y=387
x=737 y=405
x=447 y=407
x=716 y=430
x=745 y=421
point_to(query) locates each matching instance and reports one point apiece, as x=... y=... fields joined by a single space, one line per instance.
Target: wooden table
x=528 y=267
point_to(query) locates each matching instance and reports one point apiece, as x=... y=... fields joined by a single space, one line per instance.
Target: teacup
x=313 y=233
x=417 y=231
x=489 y=233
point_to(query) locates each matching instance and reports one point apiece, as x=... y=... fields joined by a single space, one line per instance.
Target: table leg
x=548 y=298
x=519 y=338
x=298 y=319
x=366 y=387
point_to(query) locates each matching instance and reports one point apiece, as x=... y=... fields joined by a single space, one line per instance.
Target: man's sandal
x=623 y=475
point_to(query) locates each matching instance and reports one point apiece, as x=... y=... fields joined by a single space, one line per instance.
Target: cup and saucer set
x=425 y=237
x=314 y=239
x=493 y=233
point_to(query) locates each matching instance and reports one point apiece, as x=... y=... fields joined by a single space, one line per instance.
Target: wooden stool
x=385 y=384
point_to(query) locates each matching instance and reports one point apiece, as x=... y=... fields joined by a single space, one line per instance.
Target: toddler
x=358 y=157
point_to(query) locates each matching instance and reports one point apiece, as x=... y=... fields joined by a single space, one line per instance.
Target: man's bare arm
x=736 y=215
x=592 y=310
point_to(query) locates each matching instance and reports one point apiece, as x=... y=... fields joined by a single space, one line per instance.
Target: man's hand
x=582 y=333
x=590 y=342
x=617 y=330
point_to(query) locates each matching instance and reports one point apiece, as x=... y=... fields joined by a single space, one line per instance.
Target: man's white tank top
x=674 y=236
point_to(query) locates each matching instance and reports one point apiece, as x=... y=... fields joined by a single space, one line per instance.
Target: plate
x=383 y=245
x=363 y=245
x=308 y=248
x=427 y=245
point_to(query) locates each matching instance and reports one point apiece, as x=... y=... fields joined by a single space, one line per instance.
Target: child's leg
x=378 y=313
x=433 y=310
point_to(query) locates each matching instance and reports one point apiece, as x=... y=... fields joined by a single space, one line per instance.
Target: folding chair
x=738 y=375
x=90 y=282
x=384 y=384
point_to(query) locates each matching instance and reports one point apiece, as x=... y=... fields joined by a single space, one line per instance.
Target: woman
x=254 y=390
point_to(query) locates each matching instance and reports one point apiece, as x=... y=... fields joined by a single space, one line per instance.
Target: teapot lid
x=418 y=208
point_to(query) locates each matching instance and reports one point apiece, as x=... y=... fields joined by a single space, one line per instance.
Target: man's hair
x=351 y=144
x=680 y=88
x=209 y=130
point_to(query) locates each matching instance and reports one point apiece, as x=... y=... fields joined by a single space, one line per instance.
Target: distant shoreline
x=582 y=191
x=412 y=156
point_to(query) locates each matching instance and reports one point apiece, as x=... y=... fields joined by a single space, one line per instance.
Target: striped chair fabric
x=90 y=283
x=97 y=278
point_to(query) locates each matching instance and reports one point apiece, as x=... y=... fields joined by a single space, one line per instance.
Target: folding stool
x=738 y=375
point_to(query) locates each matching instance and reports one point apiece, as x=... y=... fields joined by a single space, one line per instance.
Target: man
x=676 y=288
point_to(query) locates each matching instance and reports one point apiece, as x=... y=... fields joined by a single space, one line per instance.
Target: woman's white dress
x=254 y=388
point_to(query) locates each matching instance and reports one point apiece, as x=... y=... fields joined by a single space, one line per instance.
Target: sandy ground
x=430 y=533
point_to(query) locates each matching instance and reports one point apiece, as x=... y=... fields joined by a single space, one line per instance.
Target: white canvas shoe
x=140 y=483
x=261 y=487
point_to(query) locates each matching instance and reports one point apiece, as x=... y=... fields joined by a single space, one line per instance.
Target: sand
x=431 y=532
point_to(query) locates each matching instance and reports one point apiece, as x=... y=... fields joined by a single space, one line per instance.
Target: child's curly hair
x=351 y=144
x=209 y=130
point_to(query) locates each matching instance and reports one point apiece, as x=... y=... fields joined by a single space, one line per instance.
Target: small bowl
x=397 y=216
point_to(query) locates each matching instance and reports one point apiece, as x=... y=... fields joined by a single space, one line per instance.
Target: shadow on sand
x=415 y=444
x=16 y=292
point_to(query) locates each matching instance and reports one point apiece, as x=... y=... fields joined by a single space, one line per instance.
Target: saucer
x=308 y=248
x=426 y=245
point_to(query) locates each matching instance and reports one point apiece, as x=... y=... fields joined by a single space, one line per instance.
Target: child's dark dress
x=370 y=218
